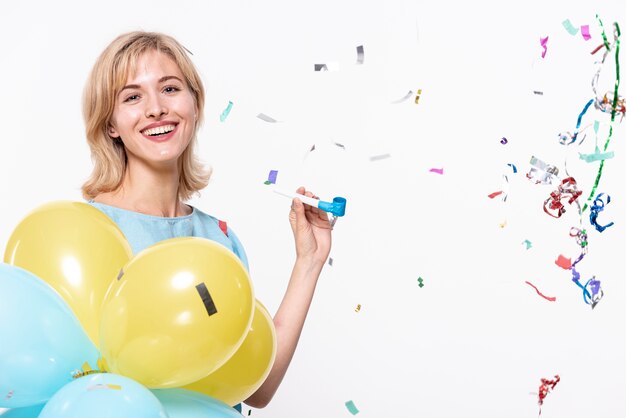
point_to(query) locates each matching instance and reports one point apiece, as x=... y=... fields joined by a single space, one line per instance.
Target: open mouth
x=159 y=131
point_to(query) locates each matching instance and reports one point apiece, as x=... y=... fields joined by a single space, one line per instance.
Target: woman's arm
x=312 y=234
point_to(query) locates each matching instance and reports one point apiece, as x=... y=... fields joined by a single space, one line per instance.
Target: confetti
x=421 y=282
x=541 y=172
x=513 y=167
x=266 y=118
x=502 y=224
x=379 y=157
x=104 y=386
x=567 y=138
x=563 y=262
x=569 y=27
x=596 y=208
x=594 y=81
x=329 y=66
x=358 y=308
x=271 y=178
x=528 y=244
x=538 y=93
x=340 y=145
x=406 y=97
x=553 y=203
x=544 y=44
x=545 y=388
x=330 y=261
x=596 y=156
x=9 y=395
x=360 y=55
x=584 y=30
x=596 y=49
x=494 y=194
x=503 y=141
x=550 y=298
x=417 y=96
x=436 y=170
x=223 y=226
x=597 y=294
x=226 y=111
x=352 y=408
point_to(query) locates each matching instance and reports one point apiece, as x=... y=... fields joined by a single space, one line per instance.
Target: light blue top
x=143 y=230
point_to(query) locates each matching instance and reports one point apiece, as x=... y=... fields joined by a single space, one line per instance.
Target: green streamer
x=613 y=110
x=606 y=41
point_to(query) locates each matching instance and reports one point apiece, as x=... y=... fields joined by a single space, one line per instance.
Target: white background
x=475 y=340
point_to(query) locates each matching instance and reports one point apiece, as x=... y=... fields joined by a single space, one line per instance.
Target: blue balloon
x=183 y=403
x=43 y=344
x=26 y=412
x=104 y=395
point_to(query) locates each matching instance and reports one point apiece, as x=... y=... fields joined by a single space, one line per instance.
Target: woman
x=143 y=105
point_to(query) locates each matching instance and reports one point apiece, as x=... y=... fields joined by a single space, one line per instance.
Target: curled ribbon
x=541 y=173
x=569 y=138
x=596 y=208
x=546 y=386
x=603 y=104
x=553 y=206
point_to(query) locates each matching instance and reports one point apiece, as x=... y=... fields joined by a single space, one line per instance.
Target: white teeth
x=159 y=130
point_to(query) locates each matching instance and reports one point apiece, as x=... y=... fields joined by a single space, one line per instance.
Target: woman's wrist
x=309 y=264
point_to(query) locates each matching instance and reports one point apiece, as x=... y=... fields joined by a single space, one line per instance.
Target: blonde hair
x=106 y=80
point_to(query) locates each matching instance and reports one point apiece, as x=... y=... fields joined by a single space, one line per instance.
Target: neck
x=150 y=191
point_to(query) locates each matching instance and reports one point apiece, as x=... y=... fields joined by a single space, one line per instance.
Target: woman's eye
x=131 y=98
x=171 y=89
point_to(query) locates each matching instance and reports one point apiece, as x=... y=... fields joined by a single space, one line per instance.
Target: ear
x=113 y=132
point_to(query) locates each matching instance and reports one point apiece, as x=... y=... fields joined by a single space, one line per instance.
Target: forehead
x=152 y=64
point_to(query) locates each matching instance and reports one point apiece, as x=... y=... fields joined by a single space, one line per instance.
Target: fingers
x=311 y=214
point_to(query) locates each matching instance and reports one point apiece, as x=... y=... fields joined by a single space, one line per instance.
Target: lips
x=159 y=132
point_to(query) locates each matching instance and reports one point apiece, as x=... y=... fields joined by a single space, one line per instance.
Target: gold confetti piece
x=104 y=386
x=358 y=308
x=417 y=97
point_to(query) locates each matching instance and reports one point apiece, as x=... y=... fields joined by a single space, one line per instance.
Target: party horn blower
x=337 y=207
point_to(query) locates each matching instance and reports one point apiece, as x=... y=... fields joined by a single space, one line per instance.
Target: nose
x=155 y=107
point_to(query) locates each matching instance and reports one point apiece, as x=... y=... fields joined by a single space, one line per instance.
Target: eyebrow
x=161 y=80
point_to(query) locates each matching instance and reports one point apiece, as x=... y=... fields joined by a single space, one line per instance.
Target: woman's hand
x=311 y=230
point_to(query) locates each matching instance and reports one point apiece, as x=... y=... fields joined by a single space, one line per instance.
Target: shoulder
x=219 y=230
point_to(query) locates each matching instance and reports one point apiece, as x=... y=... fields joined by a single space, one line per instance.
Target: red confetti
x=551 y=299
x=563 y=262
x=553 y=203
x=223 y=227
x=546 y=386
x=494 y=194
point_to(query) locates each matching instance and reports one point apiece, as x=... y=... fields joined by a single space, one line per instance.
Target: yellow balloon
x=179 y=310
x=77 y=250
x=248 y=368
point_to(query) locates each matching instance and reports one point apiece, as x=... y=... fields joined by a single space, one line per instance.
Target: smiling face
x=155 y=112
